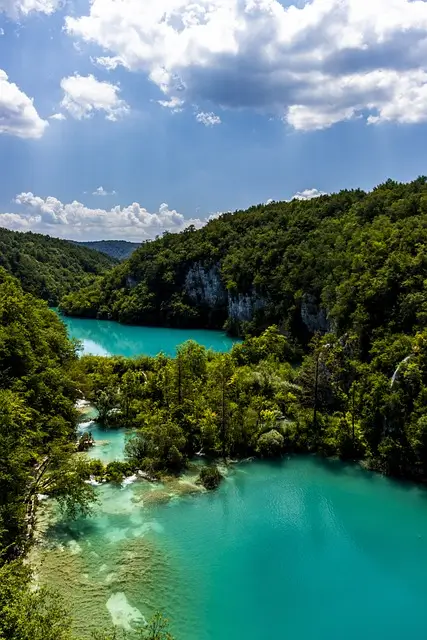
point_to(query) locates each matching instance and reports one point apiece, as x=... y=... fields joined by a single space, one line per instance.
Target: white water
x=395 y=374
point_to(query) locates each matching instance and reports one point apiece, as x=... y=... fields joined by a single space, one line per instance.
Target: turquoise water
x=299 y=549
x=109 y=443
x=102 y=337
x=304 y=548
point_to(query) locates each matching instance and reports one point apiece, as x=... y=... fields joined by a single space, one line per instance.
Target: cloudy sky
x=123 y=118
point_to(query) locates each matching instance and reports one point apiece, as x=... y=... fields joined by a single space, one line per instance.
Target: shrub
x=270 y=444
x=210 y=477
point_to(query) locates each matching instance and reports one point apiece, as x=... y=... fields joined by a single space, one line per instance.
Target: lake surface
x=104 y=338
x=299 y=549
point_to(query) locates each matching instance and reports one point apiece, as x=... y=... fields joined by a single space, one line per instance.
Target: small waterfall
x=395 y=374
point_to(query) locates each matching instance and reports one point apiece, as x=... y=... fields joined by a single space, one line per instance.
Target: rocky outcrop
x=204 y=286
x=313 y=316
x=241 y=308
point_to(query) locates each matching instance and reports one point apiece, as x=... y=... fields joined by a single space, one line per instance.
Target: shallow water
x=103 y=337
x=109 y=443
x=303 y=548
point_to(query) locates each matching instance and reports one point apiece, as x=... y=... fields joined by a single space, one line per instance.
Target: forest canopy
x=48 y=267
x=347 y=261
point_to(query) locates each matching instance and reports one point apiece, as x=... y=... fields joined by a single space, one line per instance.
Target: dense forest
x=343 y=279
x=348 y=261
x=38 y=391
x=118 y=249
x=47 y=267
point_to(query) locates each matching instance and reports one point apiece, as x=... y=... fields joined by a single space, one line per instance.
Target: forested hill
x=47 y=267
x=351 y=260
x=118 y=249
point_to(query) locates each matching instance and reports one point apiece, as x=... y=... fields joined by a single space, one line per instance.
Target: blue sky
x=207 y=106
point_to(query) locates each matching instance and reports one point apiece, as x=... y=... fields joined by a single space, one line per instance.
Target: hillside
x=352 y=260
x=47 y=267
x=118 y=249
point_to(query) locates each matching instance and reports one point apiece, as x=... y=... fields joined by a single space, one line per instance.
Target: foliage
x=47 y=267
x=26 y=613
x=359 y=256
x=37 y=416
x=270 y=444
x=210 y=477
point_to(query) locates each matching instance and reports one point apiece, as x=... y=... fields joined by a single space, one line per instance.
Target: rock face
x=242 y=307
x=313 y=316
x=205 y=287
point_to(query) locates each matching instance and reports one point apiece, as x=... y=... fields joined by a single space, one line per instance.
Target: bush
x=270 y=444
x=210 y=477
x=117 y=470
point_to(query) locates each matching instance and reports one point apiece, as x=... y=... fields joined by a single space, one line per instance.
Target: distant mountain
x=48 y=267
x=118 y=249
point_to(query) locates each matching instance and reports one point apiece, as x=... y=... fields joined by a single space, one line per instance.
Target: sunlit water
x=298 y=549
x=304 y=548
x=102 y=337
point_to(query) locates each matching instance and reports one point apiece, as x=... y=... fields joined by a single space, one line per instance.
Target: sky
x=120 y=119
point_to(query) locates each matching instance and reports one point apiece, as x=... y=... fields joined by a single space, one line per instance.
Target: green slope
x=348 y=261
x=47 y=267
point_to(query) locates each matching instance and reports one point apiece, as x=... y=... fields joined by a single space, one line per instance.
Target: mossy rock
x=210 y=477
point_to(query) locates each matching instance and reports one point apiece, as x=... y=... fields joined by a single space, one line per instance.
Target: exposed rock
x=242 y=307
x=204 y=286
x=313 y=316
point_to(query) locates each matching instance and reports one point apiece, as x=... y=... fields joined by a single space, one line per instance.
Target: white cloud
x=76 y=221
x=314 y=64
x=100 y=191
x=16 y=9
x=174 y=104
x=1 y=32
x=84 y=95
x=108 y=62
x=269 y=201
x=57 y=116
x=18 y=116
x=208 y=119
x=308 y=194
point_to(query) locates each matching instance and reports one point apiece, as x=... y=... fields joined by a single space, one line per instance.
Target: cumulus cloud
x=16 y=9
x=100 y=191
x=18 y=116
x=77 y=222
x=313 y=63
x=84 y=95
x=308 y=194
x=57 y=116
x=208 y=119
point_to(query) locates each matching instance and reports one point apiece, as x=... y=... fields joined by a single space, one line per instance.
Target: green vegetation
x=117 y=249
x=332 y=297
x=351 y=261
x=37 y=443
x=210 y=477
x=261 y=400
x=47 y=267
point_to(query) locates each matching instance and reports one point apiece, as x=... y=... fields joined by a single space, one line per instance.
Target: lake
x=301 y=548
x=104 y=338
